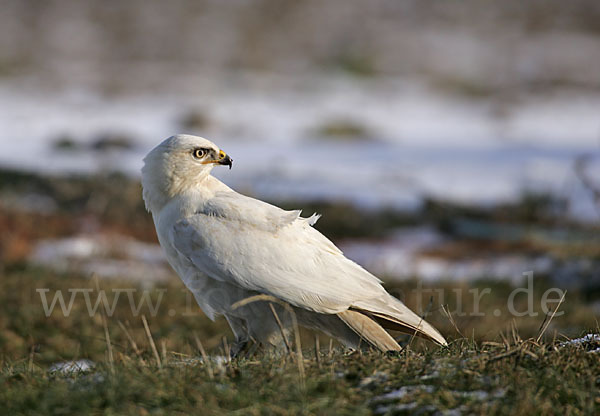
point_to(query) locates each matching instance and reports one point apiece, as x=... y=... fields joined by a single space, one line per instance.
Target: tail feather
x=392 y=314
x=369 y=330
x=422 y=329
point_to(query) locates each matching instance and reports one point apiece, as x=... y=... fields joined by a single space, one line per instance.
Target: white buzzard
x=227 y=247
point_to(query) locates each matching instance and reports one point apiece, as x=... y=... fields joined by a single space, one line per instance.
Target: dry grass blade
x=547 y=321
x=207 y=362
x=429 y=305
x=492 y=344
x=505 y=340
x=280 y=325
x=452 y=321
x=163 y=350
x=317 y=351
x=504 y=355
x=111 y=361
x=31 y=356
x=299 y=357
x=226 y=349
x=136 y=350
x=515 y=333
x=530 y=353
x=151 y=340
x=256 y=298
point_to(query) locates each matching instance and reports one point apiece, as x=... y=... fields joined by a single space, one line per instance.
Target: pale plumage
x=226 y=247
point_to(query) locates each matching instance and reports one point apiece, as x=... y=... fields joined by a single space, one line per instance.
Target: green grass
x=468 y=377
x=495 y=367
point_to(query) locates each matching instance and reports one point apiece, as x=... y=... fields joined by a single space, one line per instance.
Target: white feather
x=227 y=246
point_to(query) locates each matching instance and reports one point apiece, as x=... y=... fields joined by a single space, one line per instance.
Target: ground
x=447 y=144
x=499 y=370
x=93 y=354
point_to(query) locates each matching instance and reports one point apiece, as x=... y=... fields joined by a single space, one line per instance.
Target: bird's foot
x=243 y=348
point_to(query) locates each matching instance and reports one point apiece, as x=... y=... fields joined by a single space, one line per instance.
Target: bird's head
x=178 y=163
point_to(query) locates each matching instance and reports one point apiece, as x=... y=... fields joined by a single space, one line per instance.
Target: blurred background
x=443 y=141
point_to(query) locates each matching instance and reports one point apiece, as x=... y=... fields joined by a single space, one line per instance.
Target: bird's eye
x=199 y=153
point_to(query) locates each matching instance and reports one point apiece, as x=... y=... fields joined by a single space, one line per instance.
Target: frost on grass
x=589 y=342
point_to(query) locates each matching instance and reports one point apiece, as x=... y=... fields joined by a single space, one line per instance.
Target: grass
x=495 y=367
x=148 y=360
x=466 y=376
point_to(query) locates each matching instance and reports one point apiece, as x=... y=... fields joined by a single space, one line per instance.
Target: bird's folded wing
x=260 y=247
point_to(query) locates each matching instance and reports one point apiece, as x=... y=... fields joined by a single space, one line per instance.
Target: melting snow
x=107 y=256
x=405 y=391
x=399 y=257
x=422 y=142
x=70 y=367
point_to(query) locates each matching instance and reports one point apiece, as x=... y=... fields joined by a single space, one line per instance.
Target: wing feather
x=369 y=330
x=260 y=247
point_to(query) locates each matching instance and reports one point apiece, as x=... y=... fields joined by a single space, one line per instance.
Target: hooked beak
x=224 y=159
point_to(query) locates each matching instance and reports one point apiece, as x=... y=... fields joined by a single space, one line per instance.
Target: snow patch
x=111 y=256
x=589 y=342
x=71 y=367
x=424 y=142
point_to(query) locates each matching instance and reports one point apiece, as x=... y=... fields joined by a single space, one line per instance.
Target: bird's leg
x=242 y=343
x=243 y=348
